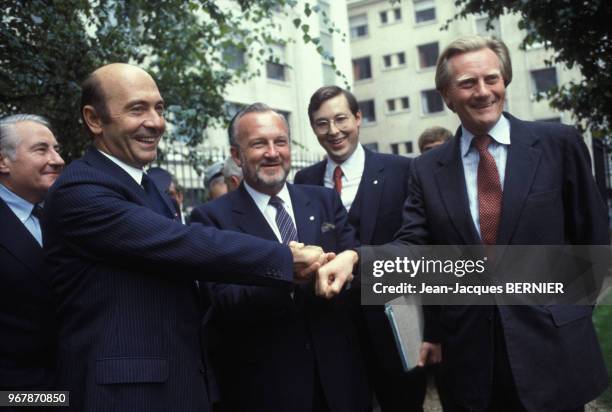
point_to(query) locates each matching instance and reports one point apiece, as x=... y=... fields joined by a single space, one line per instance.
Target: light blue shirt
x=498 y=148
x=23 y=210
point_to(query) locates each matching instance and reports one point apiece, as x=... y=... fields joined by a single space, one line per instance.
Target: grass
x=603 y=324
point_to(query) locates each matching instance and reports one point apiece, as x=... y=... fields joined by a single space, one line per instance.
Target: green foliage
x=47 y=48
x=579 y=33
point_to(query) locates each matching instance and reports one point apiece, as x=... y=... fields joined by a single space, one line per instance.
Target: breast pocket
x=131 y=370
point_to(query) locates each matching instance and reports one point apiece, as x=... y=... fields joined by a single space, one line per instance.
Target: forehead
x=261 y=124
x=30 y=133
x=335 y=105
x=474 y=63
x=130 y=86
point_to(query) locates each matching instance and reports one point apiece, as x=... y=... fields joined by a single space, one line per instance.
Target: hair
x=329 y=92
x=230 y=168
x=434 y=134
x=93 y=95
x=470 y=44
x=252 y=108
x=9 y=138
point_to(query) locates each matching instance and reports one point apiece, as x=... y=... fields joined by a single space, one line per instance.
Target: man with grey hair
x=29 y=164
x=504 y=181
x=232 y=173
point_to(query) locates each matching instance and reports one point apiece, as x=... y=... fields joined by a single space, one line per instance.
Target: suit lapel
x=101 y=162
x=521 y=166
x=248 y=217
x=370 y=189
x=18 y=240
x=319 y=173
x=451 y=185
x=306 y=218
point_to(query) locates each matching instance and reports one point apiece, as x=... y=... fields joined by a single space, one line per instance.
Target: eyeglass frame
x=328 y=123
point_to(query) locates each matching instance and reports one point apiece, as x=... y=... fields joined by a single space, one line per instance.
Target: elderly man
x=504 y=181
x=303 y=348
x=29 y=164
x=124 y=269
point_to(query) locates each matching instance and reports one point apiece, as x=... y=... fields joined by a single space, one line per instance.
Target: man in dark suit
x=373 y=188
x=503 y=181
x=278 y=350
x=124 y=269
x=29 y=164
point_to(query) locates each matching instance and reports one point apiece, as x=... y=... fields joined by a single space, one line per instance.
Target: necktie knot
x=481 y=143
x=38 y=211
x=276 y=202
x=338 y=179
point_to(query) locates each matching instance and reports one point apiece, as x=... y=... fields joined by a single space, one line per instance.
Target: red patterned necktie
x=338 y=179
x=489 y=191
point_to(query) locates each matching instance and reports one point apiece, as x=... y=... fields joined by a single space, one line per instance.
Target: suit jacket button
x=308 y=346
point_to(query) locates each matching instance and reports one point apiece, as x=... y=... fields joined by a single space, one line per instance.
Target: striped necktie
x=283 y=221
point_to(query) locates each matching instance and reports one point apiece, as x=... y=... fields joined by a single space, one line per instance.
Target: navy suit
x=549 y=198
x=129 y=315
x=376 y=214
x=27 y=311
x=274 y=352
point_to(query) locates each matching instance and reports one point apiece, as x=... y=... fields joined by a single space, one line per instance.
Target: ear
x=235 y=181
x=5 y=164
x=447 y=100
x=93 y=121
x=235 y=152
x=358 y=118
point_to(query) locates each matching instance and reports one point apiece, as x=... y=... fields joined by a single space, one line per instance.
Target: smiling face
x=36 y=164
x=263 y=151
x=136 y=115
x=337 y=128
x=476 y=90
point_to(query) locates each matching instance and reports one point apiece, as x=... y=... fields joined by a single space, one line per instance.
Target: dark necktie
x=38 y=212
x=338 y=179
x=154 y=196
x=489 y=191
x=283 y=221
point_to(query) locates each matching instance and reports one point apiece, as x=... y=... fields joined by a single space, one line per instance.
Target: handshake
x=331 y=271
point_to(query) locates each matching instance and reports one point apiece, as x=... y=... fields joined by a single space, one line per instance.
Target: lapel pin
x=311 y=218
x=375 y=182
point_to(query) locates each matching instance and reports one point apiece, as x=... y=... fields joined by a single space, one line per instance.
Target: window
x=428 y=55
x=431 y=101
x=362 y=68
x=483 y=30
x=390 y=16
x=234 y=57
x=424 y=11
x=275 y=66
x=395 y=148
x=544 y=79
x=394 y=60
x=408 y=147
x=371 y=146
x=397 y=105
x=358 y=26
x=368 y=114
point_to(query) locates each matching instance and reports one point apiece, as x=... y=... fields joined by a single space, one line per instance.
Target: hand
x=429 y=354
x=307 y=259
x=334 y=274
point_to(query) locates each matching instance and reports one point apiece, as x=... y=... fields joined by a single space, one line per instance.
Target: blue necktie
x=154 y=196
x=283 y=221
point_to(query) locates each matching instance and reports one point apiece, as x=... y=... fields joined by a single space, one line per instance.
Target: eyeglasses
x=323 y=126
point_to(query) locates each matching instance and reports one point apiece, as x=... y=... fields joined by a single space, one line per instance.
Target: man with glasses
x=373 y=187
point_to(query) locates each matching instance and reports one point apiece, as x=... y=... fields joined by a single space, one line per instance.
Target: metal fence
x=191 y=178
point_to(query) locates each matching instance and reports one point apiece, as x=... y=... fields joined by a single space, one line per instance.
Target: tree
x=579 y=33
x=47 y=48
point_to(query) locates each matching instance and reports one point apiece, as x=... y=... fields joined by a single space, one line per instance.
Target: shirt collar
x=500 y=134
x=351 y=167
x=262 y=200
x=134 y=172
x=21 y=207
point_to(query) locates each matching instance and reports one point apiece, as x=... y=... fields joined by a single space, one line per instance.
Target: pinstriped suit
x=128 y=313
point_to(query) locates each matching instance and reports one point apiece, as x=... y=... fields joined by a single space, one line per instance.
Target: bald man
x=124 y=269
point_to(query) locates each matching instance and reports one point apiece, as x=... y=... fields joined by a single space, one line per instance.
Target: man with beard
x=124 y=269
x=279 y=350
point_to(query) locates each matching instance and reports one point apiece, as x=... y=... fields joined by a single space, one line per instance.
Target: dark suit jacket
x=27 y=311
x=550 y=198
x=270 y=346
x=376 y=214
x=128 y=313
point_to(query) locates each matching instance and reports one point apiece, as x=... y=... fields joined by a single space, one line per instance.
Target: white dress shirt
x=352 y=171
x=131 y=170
